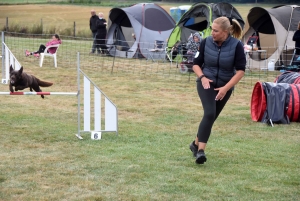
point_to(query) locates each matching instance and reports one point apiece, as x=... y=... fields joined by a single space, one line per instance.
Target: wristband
x=201 y=77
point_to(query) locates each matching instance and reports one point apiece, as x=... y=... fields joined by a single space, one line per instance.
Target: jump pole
x=39 y=93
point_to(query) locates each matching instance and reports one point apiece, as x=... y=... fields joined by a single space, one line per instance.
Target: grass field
x=41 y=159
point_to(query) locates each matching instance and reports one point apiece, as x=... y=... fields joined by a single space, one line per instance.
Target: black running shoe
x=194 y=148
x=200 y=157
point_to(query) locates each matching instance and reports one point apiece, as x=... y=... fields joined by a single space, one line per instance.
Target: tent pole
x=286 y=55
x=288 y=29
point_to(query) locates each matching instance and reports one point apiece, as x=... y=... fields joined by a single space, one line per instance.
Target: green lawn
x=159 y=112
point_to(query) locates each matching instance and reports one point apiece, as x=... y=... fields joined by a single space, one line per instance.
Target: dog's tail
x=42 y=83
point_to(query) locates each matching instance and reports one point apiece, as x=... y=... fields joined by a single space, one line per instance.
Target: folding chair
x=46 y=53
x=172 y=52
x=158 y=50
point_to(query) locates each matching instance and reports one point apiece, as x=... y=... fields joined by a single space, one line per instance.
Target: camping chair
x=46 y=53
x=157 y=50
x=169 y=53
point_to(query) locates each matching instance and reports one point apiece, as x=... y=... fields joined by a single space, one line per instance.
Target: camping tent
x=199 y=18
x=147 y=21
x=275 y=28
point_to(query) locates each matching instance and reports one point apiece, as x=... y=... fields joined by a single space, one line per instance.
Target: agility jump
x=38 y=93
x=110 y=110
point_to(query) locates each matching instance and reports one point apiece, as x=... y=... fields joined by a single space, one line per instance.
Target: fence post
x=74 y=29
x=6 y=23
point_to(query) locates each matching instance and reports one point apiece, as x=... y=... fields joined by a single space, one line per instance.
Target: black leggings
x=100 y=44
x=212 y=109
x=41 y=49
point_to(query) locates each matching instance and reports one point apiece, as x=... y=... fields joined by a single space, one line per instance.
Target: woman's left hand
x=222 y=92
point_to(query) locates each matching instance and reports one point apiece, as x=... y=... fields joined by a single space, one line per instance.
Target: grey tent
x=275 y=28
x=147 y=21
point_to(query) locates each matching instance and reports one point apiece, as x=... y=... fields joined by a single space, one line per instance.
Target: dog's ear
x=21 y=70
x=11 y=68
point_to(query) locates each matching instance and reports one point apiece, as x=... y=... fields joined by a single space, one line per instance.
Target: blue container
x=183 y=9
x=175 y=13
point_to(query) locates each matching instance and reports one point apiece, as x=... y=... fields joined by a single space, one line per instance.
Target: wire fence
x=109 y=64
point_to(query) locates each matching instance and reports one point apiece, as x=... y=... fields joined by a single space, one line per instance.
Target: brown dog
x=21 y=80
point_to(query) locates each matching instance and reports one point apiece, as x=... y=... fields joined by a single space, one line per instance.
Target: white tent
x=275 y=28
x=147 y=21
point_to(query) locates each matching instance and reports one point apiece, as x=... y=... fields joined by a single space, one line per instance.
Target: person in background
x=192 y=46
x=101 y=34
x=93 y=27
x=296 y=38
x=133 y=36
x=219 y=68
x=54 y=41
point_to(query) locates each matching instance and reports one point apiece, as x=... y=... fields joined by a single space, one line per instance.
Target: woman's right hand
x=206 y=82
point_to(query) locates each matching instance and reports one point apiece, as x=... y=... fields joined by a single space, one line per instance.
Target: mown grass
x=159 y=112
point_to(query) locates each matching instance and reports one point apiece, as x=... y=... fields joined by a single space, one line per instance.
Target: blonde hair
x=234 y=29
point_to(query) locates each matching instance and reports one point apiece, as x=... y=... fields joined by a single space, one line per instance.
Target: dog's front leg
x=11 y=88
x=19 y=88
x=30 y=89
